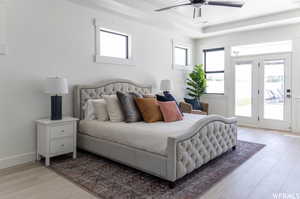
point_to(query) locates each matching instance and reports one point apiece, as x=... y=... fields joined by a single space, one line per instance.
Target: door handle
x=288 y=95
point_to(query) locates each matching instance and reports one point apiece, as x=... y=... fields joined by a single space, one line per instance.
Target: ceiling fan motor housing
x=198 y=1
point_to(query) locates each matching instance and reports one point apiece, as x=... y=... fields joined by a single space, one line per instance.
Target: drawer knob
x=62 y=131
x=62 y=145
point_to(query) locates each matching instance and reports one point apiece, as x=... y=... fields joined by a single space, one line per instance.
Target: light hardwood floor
x=275 y=169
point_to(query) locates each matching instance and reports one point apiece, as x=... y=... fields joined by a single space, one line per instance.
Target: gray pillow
x=128 y=106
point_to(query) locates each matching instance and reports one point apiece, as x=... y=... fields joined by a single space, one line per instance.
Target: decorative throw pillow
x=100 y=109
x=150 y=109
x=114 y=108
x=89 y=109
x=149 y=96
x=129 y=107
x=194 y=102
x=136 y=95
x=167 y=97
x=162 y=98
x=170 y=111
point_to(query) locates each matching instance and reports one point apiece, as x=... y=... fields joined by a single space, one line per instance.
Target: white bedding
x=151 y=137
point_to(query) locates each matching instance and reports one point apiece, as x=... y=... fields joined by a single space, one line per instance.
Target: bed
x=166 y=150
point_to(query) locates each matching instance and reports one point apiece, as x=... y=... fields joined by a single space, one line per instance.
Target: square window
x=113 y=44
x=181 y=56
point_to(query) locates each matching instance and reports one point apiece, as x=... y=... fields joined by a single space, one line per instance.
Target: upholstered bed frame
x=212 y=136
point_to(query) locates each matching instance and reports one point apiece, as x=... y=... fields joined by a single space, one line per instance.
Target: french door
x=262 y=91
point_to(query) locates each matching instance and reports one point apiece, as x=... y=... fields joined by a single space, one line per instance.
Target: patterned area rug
x=107 y=179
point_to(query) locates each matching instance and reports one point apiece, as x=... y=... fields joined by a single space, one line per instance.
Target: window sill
x=214 y=95
x=114 y=60
x=181 y=67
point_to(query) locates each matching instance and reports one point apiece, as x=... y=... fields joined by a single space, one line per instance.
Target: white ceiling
x=215 y=20
x=252 y=8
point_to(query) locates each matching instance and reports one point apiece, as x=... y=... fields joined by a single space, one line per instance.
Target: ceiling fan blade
x=175 y=6
x=236 y=4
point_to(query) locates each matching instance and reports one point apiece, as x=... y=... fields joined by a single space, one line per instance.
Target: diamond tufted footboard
x=208 y=139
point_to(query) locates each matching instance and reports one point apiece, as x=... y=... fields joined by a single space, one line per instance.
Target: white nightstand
x=56 y=137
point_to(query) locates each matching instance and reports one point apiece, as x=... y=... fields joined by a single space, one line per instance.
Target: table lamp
x=166 y=85
x=56 y=87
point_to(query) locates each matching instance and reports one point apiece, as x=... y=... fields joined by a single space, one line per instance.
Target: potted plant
x=196 y=83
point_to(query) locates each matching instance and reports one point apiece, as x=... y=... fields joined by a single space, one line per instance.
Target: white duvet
x=150 y=137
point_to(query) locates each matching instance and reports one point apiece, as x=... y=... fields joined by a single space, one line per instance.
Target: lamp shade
x=166 y=85
x=56 y=86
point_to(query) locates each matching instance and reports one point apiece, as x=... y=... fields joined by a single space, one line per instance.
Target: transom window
x=181 y=56
x=214 y=64
x=113 y=44
x=262 y=48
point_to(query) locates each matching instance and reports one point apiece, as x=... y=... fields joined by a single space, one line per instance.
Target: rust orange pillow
x=170 y=111
x=150 y=109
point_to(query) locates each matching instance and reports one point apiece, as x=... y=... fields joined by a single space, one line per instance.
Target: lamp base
x=56 y=107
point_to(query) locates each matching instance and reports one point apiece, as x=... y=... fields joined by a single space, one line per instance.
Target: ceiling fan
x=198 y=3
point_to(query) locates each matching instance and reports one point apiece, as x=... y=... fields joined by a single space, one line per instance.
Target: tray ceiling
x=215 y=20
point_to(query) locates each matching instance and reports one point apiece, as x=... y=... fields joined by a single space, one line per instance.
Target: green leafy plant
x=196 y=82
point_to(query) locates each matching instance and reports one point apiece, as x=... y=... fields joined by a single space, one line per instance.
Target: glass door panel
x=274 y=86
x=262 y=94
x=243 y=90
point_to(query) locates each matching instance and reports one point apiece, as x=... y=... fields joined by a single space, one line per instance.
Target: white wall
x=221 y=104
x=2 y=27
x=56 y=37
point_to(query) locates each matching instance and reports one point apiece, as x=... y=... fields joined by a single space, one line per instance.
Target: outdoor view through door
x=243 y=87
x=262 y=91
x=274 y=89
x=262 y=84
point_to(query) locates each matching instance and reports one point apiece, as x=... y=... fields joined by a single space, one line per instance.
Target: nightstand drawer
x=64 y=145
x=62 y=131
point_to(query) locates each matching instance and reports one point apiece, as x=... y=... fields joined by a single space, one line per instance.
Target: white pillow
x=90 y=112
x=114 y=108
x=100 y=110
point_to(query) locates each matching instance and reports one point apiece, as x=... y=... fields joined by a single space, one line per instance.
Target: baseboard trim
x=17 y=159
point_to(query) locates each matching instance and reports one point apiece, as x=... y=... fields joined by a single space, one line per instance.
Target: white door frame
x=257 y=119
x=270 y=123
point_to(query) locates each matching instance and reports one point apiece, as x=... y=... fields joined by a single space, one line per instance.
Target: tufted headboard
x=82 y=93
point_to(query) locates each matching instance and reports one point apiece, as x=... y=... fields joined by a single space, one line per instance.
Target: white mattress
x=151 y=137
